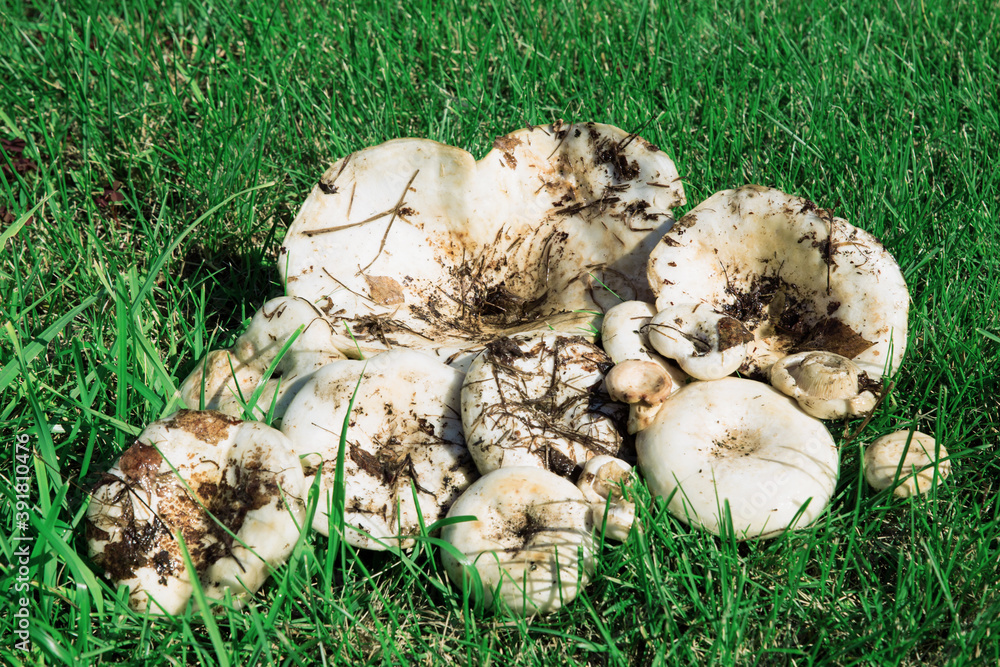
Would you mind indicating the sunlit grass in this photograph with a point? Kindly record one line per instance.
(215, 120)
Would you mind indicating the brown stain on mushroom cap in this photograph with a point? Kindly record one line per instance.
(206, 425)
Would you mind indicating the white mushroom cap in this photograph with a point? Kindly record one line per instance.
(643, 386)
(826, 385)
(531, 543)
(404, 433)
(743, 443)
(624, 340)
(415, 244)
(226, 379)
(205, 476)
(600, 483)
(914, 463)
(706, 345)
(796, 276)
(538, 401)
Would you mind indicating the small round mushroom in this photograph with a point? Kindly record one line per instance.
(624, 340)
(225, 380)
(643, 386)
(826, 385)
(743, 444)
(403, 439)
(234, 490)
(915, 463)
(706, 345)
(539, 401)
(532, 540)
(600, 483)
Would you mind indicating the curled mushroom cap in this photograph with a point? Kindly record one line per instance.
(404, 438)
(796, 276)
(415, 244)
(706, 345)
(826, 385)
(915, 463)
(539, 401)
(532, 540)
(226, 379)
(234, 490)
(739, 442)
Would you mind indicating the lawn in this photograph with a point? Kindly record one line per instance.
(154, 155)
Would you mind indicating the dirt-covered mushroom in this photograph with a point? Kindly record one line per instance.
(797, 277)
(600, 483)
(706, 345)
(415, 244)
(234, 490)
(826, 385)
(403, 439)
(531, 543)
(641, 377)
(539, 401)
(225, 380)
(913, 461)
(738, 446)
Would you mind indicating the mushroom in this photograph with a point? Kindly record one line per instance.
(909, 461)
(225, 380)
(738, 447)
(600, 483)
(414, 244)
(796, 276)
(538, 401)
(403, 443)
(706, 345)
(531, 542)
(234, 490)
(826, 385)
(641, 378)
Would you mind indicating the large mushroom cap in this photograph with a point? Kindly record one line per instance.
(404, 436)
(234, 490)
(532, 540)
(796, 276)
(743, 443)
(415, 244)
(539, 401)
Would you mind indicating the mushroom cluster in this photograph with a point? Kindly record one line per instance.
(497, 342)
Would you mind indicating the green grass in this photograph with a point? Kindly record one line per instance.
(225, 114)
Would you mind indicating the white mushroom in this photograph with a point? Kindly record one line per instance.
(531, 543)
(640, 372)
(225, 380)
(913, 462)
(403, 439)
(539, 401)
(741, 444)
(643, 386)
(826, 385)
(706, 345)
(600, 483)
(415, 244)
(795, 275)
(234, 490)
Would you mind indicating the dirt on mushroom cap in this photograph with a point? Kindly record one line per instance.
(230, 488)
(417, 245)
(798, 278)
